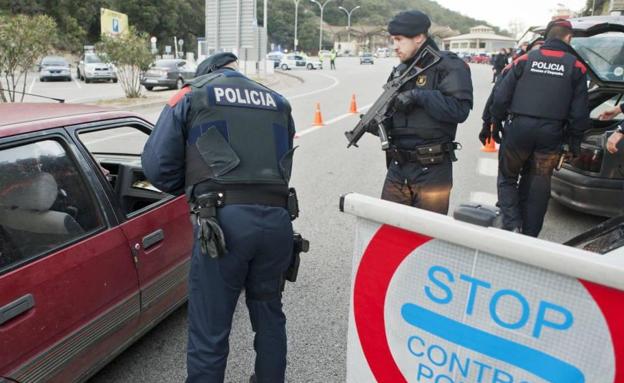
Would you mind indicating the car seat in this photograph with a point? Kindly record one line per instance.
(26, 218)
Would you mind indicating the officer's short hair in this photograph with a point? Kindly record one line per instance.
(557, 32)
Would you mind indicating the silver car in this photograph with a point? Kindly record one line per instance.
(92, 67)
(54, 68)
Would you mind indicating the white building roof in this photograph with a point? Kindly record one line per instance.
(480, 36)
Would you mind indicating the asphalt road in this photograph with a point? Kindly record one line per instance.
(317, 305)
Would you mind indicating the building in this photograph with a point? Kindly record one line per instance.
(481, 39)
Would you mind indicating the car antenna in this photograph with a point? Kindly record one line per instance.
(62, 101)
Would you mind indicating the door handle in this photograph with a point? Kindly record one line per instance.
(153, 238)
(17, 307)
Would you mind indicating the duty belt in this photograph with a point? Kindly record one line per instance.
(249, 197)
(425, 154)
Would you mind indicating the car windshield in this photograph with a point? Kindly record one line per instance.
(54, 62)
(604, 53)
(93, 59)
(165, 63)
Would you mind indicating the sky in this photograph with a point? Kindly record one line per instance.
(502, 12)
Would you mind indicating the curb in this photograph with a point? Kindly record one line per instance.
(283, 73)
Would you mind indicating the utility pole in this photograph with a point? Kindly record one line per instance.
(296, 42)
(322, 6)
(349, 20)
(266, 31)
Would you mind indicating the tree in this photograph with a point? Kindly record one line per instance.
(24, 40)
(131, 55)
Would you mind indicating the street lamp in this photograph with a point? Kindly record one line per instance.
(349, 20)
(322, 6)
(296, 42)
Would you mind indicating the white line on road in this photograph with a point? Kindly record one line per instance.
(77, 82)
(32, 84)
(487, 167)
(483, 198)
(333, 85)
(330, 122)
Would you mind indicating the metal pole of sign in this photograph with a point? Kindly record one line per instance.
(266, 31)
(321, 24)
(238, 26)
(296, 14)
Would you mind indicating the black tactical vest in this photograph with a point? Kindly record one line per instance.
(545, 88)
(450, 78)
(237, 135)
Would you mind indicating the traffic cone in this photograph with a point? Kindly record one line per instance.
(318, 118)
(490, 145)
(353, 108)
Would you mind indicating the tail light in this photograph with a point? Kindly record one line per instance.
(590, 159)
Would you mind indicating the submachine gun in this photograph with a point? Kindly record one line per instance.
(381, 111)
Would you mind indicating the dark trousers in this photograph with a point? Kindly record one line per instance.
(424, 187)
(259, 240)
(332, 64)
(528, 155)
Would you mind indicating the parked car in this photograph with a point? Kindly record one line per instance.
(275, 57)
(54, 68)
(91, 254)
(170, 73)
(481, 58)
(593, 183)
(95, 67)
(367, 58)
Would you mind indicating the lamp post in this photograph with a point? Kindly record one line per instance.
(322, 6)
(349, 20)
(296, 42)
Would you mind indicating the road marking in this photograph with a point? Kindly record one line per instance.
(330, 122)
(77, 82)
(336, 82)
(487, 167)
(32, 84)
(483, 198)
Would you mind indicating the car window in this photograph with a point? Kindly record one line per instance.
(606, 105)
(44, 201)
(92, 59)
(53, 62)
(117, 151)
(604, 53)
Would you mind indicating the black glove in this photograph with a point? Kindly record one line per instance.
(405, 101)
(497, 131)
(485, 132)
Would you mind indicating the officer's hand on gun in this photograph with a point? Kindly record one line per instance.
(405, 101)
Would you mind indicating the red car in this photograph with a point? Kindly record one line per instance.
(91, 254)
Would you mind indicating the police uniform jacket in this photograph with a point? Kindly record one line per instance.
(548, 83)
(224, 130)
(443, 98)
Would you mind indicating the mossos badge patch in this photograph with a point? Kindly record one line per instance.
(442, 313)
(549, 68)
(243, 97)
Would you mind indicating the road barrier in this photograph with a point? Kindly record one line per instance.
(318, 117)
(353, 107)
(439, 300)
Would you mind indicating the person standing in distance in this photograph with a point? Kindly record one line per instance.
(227, 143)
(545, 93)
(427, 110)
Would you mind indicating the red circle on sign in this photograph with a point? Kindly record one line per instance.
(384, 254)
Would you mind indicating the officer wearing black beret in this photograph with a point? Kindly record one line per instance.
(423, 126)
(227, 143)
(544, 100)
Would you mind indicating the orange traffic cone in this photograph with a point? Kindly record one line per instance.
(318, 118)
(353, 108)
(490, 145)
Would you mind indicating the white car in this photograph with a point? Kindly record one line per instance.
(93, 68)
(299, 61)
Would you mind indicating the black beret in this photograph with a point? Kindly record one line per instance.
(409, 23)
(214, 62)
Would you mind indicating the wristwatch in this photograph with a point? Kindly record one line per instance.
(619, 129)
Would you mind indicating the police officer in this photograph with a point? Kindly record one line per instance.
(427, 112)
(494, 131)
(545, 96)
(226, 141)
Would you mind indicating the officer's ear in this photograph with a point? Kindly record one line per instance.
(568, 38)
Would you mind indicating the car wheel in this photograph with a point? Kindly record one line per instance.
(310, 67)
(78, 76)
(284, 67)
(115, 81)
(179, 83)
(42, 79)
(86, 80)
(149, 87)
